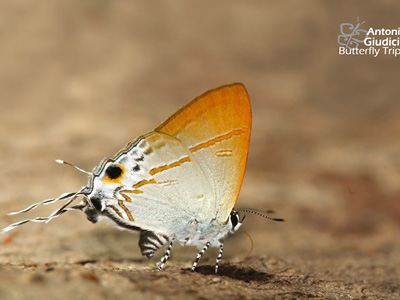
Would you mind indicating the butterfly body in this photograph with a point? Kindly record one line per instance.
(177, 183)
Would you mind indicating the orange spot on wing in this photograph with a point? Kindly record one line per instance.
(148, 151)
(159, 145)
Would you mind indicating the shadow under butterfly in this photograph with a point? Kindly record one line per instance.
(176, 184)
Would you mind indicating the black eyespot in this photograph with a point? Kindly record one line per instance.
(113, 172)
(136, 168)
(234, 219)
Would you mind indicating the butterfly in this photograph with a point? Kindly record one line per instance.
(176, 184)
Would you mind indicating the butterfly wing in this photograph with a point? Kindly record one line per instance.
(215, 127)
(188, 169)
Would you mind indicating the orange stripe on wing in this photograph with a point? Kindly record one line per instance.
(136, 186)
(220, 138)
(127, 198)
(143, 182)
(116, 210)
(222, 153)
(166, 167)
(128, 213)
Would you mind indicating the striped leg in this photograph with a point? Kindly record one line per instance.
(221, 249)
(150, 242)
(165, 257)
(200, 254)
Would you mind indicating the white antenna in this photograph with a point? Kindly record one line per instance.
(76, 167)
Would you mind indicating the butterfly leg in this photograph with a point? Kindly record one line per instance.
(199, 255)
(221, 249)
(167, 255)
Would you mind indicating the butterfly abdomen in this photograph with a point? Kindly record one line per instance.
(150, 242)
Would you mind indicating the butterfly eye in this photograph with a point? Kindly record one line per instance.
(96, 203)
(114, 172)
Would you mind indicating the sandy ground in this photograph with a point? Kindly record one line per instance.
(80, 79)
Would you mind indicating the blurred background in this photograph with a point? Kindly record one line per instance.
(79, 79)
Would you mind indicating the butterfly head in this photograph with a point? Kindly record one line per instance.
(103, 182)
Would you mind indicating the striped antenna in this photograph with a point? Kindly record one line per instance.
(49, 201)
(261, 213)
(80, 206)
(55, 214)
(44, 202)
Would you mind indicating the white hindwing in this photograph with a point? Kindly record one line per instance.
(163, 187)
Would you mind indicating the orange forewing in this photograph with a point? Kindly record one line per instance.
(216, 128)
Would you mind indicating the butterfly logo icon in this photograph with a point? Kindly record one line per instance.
(352, 36)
